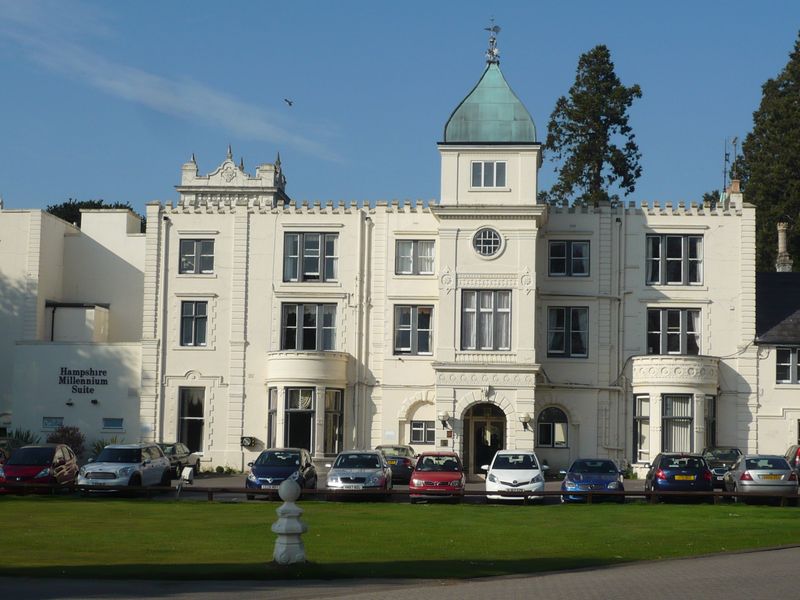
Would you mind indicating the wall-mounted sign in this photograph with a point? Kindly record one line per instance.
(82, 381)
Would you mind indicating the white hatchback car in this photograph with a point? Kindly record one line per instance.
(515, 471)
(127, 465)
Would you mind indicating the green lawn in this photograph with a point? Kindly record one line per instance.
(163, 539)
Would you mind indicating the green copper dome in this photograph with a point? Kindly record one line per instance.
(491, 113)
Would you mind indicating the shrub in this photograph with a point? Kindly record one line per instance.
(71, 436)
(22, 437)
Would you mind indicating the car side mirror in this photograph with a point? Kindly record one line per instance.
(249, 464)
(328, 465)
(562, 472)
(545, 467)
(484, 467)
(90, 460)
(647, 465)
(146, 462)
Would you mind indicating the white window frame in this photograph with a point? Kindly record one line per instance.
(191, 322)
(571, 316)
(191, 259)
(413, 329)
(668, 421)
(419, 259)
(641, 447)
(423, 432)
(325, 333)
(108, 427)
(486, 174)
(487, 242)
(559, 436)
(668, 332)
(657, 250)
(473, 315)
(52, 422)
(325, 256)
(569, 258)
(789, 362)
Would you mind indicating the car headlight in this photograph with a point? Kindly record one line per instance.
(457, 483)
(2, 473)
(125, 471)
(295, 476)
(252, 477)
(43, 473)
(333, 479)
(492, 478)
(613, 485)
(374, 480)
(537, 479)
(416, 482)
(570, 485)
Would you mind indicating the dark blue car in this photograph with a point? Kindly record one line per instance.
(275, 465)
(592, 475)
(676, 472)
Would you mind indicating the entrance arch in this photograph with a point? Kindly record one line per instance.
(484, 434)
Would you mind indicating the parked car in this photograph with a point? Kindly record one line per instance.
(180, 456)
(359, 470)
(437, 475)
(515, 471)
(675, 472)
(595, 475)
(275, 465)
(720, 459)
(127, 465)
(401, 461)
(761, 473)
(792, 456)
(55, 464)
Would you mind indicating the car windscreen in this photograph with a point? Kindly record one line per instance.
(604, 467)
(278, 459)
(31, 456)
(725, 454)
(395, 451)
(682, 462)
(767, 463)
(357, 461)
(438, 463)
(120, 455)
(514, 461)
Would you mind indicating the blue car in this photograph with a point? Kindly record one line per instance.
(592, 475)
(275, 465)
(674, 472)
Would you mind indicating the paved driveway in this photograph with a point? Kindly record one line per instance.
(743, 576)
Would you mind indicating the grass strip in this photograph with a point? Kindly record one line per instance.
(120, 538)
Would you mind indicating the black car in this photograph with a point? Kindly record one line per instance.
(179, 457)
(720, 459)
(401, 461)
(275, 465)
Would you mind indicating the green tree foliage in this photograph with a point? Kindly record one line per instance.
(770, 163)
(70, 211)
(589, 136)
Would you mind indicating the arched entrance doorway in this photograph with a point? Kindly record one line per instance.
(484, 434)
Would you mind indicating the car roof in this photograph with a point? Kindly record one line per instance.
(285, 450)
(440, 453)
(515, 452)
(40, 446)
(131, 446)
(751, 456)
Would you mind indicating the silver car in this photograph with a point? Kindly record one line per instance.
(360, 470)
(127, 465)
(760, 473)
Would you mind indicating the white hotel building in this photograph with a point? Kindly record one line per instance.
(482, 321)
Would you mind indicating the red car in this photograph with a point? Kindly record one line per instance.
(46, 463)
(437, 475)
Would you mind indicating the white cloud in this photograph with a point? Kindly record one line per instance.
(46, 34)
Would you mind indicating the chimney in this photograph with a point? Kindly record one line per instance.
(783, 264)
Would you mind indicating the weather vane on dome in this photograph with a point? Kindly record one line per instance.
(493, 54)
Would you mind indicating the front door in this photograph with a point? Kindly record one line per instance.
(486, 435)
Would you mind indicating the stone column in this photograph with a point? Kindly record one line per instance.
(280, 417)
(319, 422)
(699, 433)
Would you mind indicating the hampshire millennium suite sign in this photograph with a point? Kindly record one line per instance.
(82, 381)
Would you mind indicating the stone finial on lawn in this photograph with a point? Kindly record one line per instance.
(289, 547)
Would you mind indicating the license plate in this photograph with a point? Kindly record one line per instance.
(392, 462)
(684, 477)
(269, 487)
(769, 476)
(352, 486)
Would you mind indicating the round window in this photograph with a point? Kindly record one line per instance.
(486, 242)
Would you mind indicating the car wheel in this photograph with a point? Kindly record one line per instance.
(166, 478)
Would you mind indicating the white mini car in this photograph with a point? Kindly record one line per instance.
(129, 465)
(515, 471)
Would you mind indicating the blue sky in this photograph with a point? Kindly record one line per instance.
(108, 99)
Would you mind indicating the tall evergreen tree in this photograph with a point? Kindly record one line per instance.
(770, 163)
(589, 136)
